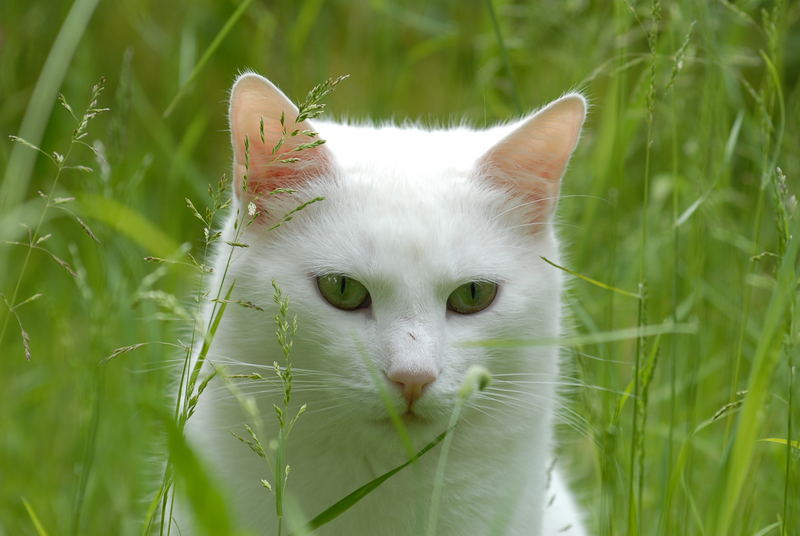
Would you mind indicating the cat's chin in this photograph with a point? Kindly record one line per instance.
(413, 419)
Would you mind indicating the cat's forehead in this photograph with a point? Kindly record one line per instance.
(410, 150)
(384, 223)
(408, 203)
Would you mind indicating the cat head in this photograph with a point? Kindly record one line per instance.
(274, 150)
(424, 241)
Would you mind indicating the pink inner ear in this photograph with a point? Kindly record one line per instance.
(523, 167)
(538, 195)
(255, 101)
(266, 173)
(531, 159)
(526, 174)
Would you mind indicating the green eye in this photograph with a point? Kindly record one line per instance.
(472, 297)
(343, 292)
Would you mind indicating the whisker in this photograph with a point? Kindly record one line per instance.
(511, 401)
(602, 359)
(471, 404)
(535, 223)
(316, 411)
(547, 374)
(277, 390)
(566, 414)
(563, 384)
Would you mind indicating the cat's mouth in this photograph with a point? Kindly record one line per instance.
(410, 416)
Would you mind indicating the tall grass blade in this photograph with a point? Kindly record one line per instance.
(226, 29)
(686, 214)
(504, 54)
(209, 507)
(780, 441)
(129, 223)
(590, 280)
(302, 27)
(20, 163)
(769, 528)
(90, 449)
(591, 338)
(341, 506)
(476, 377)
(765, 360)
(34, 518)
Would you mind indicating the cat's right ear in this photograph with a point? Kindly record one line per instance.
(270, 147)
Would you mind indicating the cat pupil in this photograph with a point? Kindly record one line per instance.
(342, 284)
(473, 290)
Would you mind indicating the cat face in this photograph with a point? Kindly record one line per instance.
(424, 242)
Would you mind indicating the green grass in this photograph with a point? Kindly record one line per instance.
(675, 216)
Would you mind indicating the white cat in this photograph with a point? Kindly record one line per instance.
(425, 240)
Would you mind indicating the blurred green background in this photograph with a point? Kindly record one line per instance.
(674, 193)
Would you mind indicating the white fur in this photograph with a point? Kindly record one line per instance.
(411, 214)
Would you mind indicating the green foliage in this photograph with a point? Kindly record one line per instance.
(683, 191)
(285, 329)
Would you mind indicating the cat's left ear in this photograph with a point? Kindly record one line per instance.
(532, 158)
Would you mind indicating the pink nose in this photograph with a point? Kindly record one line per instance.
(411, 382)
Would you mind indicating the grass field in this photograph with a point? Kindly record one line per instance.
(682, 193)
